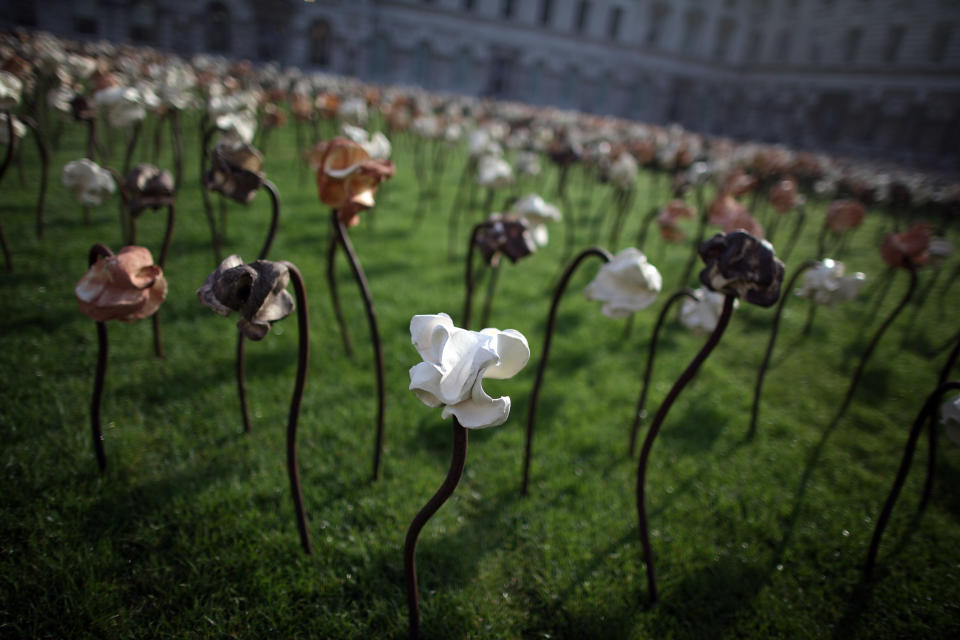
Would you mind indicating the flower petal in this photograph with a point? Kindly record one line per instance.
(425, 383)
(479, 410)
(514, 352)
(422, 334)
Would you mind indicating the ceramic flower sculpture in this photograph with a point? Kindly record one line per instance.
(826, 283)
(537, 213)
(455, 363)
(89, 183)
(626, 284)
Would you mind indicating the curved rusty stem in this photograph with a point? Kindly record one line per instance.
(932, 428)
(453, 218)
(274, 217)
(44, 169)
(164, 250)
(3, 170)
(334, 296)
(624, 200)
(92, 138)
(488, 297)
(206, 134)
(174, 118)
(678, 386)
(470, 283)
(801, 218)
(701, 232)
(929, 408)
(361, 279)
(131, 146)
(303, 359)
(97, 252)
(242, 380)
(641, 411)
(446, 489)
(758, 388)
(874, 341)
(605, 256)
(645, 226)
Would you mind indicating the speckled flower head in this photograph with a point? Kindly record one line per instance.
(740, 264)
(504, 235)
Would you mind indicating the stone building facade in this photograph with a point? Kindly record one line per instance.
(866, 77)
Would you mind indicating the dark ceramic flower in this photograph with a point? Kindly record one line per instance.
(257, 291)
(148, 187)
(236, 171)
(504, 235)
(743, 265)
(908, 249)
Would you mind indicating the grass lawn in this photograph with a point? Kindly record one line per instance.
(190, 532)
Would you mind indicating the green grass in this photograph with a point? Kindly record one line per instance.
(190, 533)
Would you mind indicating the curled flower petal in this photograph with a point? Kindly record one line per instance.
(257, 291)
(126, 287)
(741, 264)
(626, 284)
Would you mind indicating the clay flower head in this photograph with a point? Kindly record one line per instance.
(701, 314)
(623, 172)
(536, 212)
(82, 109)
(827, 284)
(740, 264)
(675, 211)
(90, 183)
(347, 177)
(257, 291)
(148, 187)
(455, 362)
(908, 249)
(236, 170)
(274, 116)
(504, 235)
(626, 284)
(739, 183)
(950, 418)
(731, 214)
(844, 215)
(564, 153)
(11, 88)
(126, 287)
(783, 195)
(494, 171)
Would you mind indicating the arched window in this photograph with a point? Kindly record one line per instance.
(320, 37)
(421, 64)
(143, 18)
(218, 27)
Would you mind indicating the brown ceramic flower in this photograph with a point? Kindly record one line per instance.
(347, 178)
(743, 265)
(730, 214)
(257, 291)
(908, 249)
(236, 171)
(273, 116)
(301, 106)
(126, 287)
(667, 219)
(783, 195)
(148, 187)
(739, 183)
(844, 215)
(504, 235)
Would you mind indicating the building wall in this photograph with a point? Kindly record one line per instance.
(856, 76)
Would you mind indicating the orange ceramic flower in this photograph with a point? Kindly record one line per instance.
(347, 178)
(907, 249)
(126, 287)
(843, 215)
(783, 195)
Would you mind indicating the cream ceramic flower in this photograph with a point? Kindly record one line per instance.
(11, 88)
(950, 418)
(701, 315)
(827, 284)
(626, 284)
(377, 145)
(495, 172)
(623, 172)
(124, 105)
(528, 163)
(90, 183)
(237, 126)
(455, 362)
(537, 212)
(353, 110)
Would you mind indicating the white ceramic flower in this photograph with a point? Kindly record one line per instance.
(826, 283)
(701, 315)
(19, 129)
(377, 145)
(426, 126)
(494, 171)
(537, 212)
(353, 110)
(90, 183)
(11, 89)
(124, 105)
(626, 284)
(528, 163)
(455, 362)
(623, 172)
(238, 126)
(950, 418)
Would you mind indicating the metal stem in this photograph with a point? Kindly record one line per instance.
(274, 217)
(98, 251)
(470, 283)
(605, 256)
(44, 169)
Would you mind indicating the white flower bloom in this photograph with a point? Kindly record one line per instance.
(19, 129)
(493, 171)
(701, 315)
(59, 98)
(950, 418)
(426, 126)
(90, 183)
(537, 212)
(11, 89)
(455, 362)
(623, 172)
(377, 146)
(626, 284)
(353, 111)
(124, 105)
(482, 144)
(239, 126)
(827, 284)
(357, 134)
(453, 133)
(80, 66)
(528, 163)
